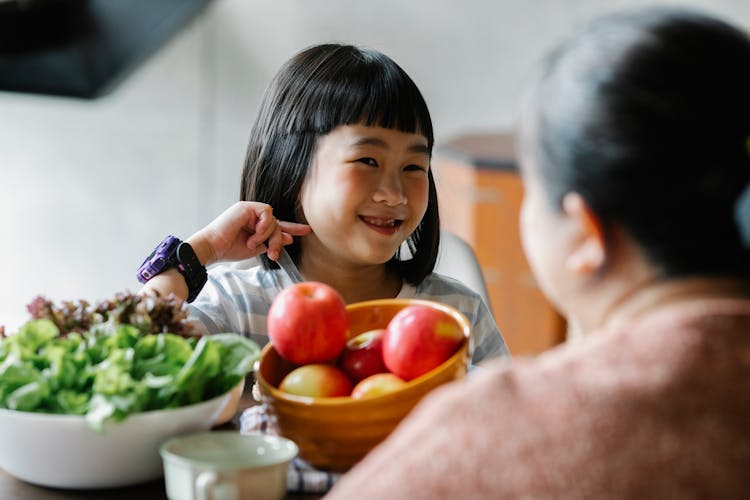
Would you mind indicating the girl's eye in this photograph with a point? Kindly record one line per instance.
(415, 167)
(368, 161)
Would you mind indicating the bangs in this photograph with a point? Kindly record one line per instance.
(353, 85)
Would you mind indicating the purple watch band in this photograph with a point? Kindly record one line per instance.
(172, 252)
(161, 259)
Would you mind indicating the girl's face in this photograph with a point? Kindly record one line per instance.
(366, 192)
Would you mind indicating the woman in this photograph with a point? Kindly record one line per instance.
(635, 155)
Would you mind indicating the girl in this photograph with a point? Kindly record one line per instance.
(635, 155)
(341, 146)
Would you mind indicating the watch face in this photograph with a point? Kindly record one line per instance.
(159, 260)
(151, 268)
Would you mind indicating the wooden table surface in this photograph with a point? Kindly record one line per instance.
(12, 488)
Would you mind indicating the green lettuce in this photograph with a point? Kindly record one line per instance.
(110, 372)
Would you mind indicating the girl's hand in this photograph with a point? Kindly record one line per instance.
(244, 230)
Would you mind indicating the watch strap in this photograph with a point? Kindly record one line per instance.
(192, 270)
(175, 253)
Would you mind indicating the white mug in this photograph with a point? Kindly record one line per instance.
(226, 465)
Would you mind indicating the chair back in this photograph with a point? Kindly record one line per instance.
(457, 260)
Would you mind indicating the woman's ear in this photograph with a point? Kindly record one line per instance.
(588, 253)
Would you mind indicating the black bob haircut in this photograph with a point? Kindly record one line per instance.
(646, 114)
(317, 90)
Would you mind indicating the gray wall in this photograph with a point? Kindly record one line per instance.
(89, 187)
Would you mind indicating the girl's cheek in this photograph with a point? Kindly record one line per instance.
(419, 191)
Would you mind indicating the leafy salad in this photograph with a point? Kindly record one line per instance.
(106, 369)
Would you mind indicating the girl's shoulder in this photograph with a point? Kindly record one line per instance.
(437, 285)
(489, 341)
(447, 290)
(245, 279)
(249, 271)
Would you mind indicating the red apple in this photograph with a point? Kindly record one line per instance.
(318, 381)
(363, 355)
(307, 323)
(420, 338)
(377, 385)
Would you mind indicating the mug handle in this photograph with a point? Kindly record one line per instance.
(205, 484)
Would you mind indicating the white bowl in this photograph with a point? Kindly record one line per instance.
(62, 451)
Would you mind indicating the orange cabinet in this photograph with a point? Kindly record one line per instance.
(479, 193)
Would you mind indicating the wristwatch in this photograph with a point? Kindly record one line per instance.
(175, 253)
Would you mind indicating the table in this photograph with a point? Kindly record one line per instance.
(12, 488)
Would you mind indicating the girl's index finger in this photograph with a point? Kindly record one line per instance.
(284, 235)
(295, 228)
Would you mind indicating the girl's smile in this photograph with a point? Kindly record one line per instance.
(366, 192)
(382, 225)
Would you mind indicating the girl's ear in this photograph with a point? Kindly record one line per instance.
(589, 251)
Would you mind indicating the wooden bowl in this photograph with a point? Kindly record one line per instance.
(335, 433)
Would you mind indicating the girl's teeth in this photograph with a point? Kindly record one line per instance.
(380, 222)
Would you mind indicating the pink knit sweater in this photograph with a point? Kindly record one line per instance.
(660, 409)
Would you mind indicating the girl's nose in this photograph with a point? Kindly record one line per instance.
(390, 190)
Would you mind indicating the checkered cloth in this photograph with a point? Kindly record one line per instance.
(301, 476)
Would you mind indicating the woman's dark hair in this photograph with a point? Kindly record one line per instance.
(647, 115)
(317, 90)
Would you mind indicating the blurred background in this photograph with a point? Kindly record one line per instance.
(154, 141)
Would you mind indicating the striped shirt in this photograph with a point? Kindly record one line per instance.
(238, 300)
